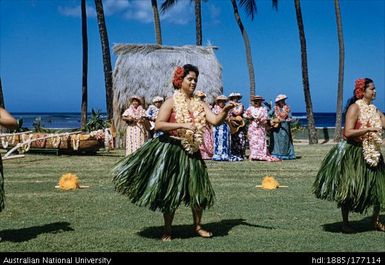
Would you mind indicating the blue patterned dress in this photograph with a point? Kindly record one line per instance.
(222, 138)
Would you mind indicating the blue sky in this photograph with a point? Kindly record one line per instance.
(41, 48)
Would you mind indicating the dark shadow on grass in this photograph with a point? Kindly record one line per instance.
(364, 225)
(25, 234)
(218, 229)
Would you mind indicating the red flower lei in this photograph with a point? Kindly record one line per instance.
(283, 113)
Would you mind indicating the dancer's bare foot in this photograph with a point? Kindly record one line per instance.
(203, 233)
(379, 226)
(166, 237)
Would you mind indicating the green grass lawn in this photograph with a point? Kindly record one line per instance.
(39, 217)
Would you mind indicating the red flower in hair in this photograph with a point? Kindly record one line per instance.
(359, 88)
(178, 77)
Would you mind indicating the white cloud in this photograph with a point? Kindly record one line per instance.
(140, 10)
(75, 11)
(112, 7)
(181, 13)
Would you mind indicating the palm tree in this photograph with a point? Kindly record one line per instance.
(2, 104)
(251, 8)
(198, 22)
(106, 57)
(313, 137)
(158, 32)
(341, 49)
(85, 64)
(167, 4)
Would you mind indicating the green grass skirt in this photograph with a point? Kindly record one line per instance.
(2, 193)
(346, 178)
(162, 175)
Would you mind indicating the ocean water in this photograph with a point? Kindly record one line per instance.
(72, 119)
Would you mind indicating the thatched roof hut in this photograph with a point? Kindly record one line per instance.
(146, 70)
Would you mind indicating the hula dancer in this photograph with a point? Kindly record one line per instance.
(353, 172)
(168, 170)
(9, 122)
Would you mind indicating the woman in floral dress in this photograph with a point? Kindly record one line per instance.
(137, 125)
(257, 114)
(152, 113)
(221, 133)
(238, 137)
(353, 172)
(281, 141)
(207, 146)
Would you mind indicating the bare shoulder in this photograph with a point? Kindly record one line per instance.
(169, 103)
(354, 108)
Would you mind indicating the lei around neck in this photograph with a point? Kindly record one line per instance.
(371, 144)
(191, 140)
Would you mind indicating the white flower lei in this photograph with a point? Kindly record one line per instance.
(371, 141)
(190, 140)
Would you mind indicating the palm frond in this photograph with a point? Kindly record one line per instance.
(250, 7)
(275, 4)
(167, 4)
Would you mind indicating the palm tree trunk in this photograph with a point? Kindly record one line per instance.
(313, 137)
(158, 31)
(247, 47)
(106, 57)
(2, 103)
(341, 49)
(85, 65)
(198, 22)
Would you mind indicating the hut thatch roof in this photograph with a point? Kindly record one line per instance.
(146, 70)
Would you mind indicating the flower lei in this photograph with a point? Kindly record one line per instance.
(371, 141)
(190, 140)
(258, 114)
(136, 113)
(282, 113)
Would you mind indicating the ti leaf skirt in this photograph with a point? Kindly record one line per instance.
(346, 178)
(161, 175)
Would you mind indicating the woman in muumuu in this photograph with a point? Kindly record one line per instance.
(281, 141)
(238, 135)
(8, 121)
(168, 170)
(221, 133)
(353, 172)
(137, 125)
(207, 146)
(257, 114)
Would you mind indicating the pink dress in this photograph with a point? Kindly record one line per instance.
(207, 146)
(136, 133)
(257, 134)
